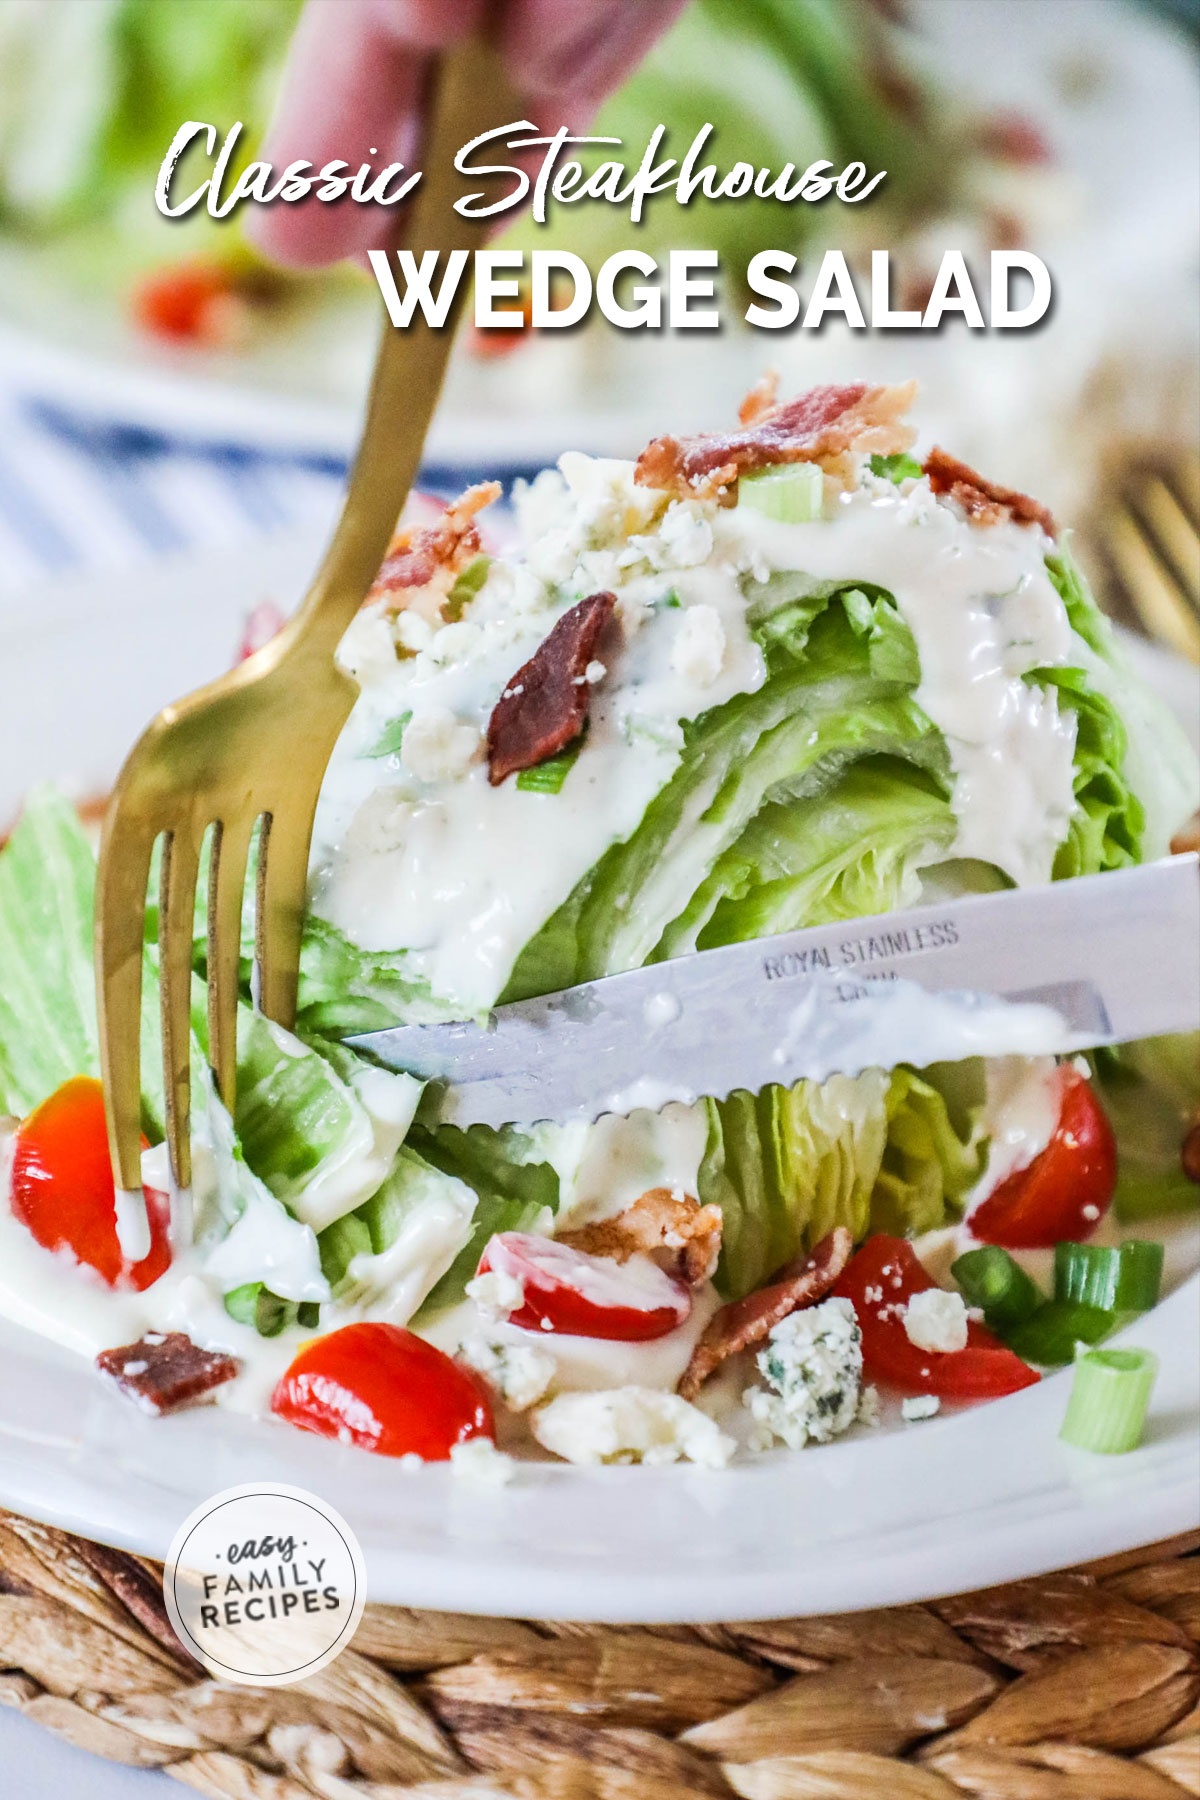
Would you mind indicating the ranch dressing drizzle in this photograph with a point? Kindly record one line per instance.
(984, 613)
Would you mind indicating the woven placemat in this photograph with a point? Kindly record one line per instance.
(1083, 1685)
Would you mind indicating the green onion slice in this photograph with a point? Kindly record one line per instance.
(897, 468)
(1120, 1278)
(1050, 1337)
(991, 1279)
(390, 738)
(793, 492)
(548, 777)
(254, 1304)
(466, 587)
(1109, 1397)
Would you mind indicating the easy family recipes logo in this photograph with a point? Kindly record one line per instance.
(629, 288)
(264, 1584)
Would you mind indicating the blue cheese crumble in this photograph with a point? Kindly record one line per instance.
(520, 1373)
(630, 1424)
(812, 1364)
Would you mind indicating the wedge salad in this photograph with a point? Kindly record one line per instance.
(784, 675)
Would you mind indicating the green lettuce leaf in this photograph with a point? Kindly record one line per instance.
(1151, 1093)
(822, 708)
(874, 1151)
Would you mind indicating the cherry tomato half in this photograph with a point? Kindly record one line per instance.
(880, 1279)
(1060, 1196)
(63, 1192)
(586, 1296)
(384, 1389)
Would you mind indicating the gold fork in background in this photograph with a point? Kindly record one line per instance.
(1150, 539)
(253, 746)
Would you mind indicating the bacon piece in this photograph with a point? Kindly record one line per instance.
(544, 707)
(762, 398)
(1187, 837)
(419, 554)
(745, 1324)
(658, 1220)
(823, 426)
(164, 1371)
(984, 502)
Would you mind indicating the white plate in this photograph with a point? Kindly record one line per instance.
(910, 1512)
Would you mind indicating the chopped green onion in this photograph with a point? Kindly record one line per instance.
(308, 1314)
(993, 1281)
(1124, 1278)
(670, 598)
(793, 492)
(548, 777)
(466, 588)
(900, 467)
(253, 1304)
(1049, 1338)
(1109, 1397)
(390, 738)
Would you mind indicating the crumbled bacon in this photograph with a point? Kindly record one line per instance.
(827, 425)
(984, 502)
(544, 707)
(421, 556)
(745, 1324)
(658, 1221)
(762, 398)
(164, 1371)
(1187, 837)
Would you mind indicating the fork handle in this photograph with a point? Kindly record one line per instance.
(470, 92)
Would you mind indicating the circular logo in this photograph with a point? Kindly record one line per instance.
(265, 1585)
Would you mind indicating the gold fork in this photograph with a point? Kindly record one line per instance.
(1152, 541)
(253, 745)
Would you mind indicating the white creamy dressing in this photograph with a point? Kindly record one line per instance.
(983, 613)
(604, 1167)
(895, 1021)
(462, 874)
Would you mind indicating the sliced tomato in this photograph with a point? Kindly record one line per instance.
(587, 1296)
(384, 1389)
(880, 1279)
(1061, 1195)
(63, 1192)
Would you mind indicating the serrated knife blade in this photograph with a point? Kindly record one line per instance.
(1101, 959)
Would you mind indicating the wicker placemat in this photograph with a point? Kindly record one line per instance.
(1083, 1685)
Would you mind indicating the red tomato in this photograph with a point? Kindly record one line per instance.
(62, 1187)
(384, 1389)
(588, 1296)
(188, 303)
(880, 1279)
(1060, 1196)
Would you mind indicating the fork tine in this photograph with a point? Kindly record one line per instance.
(226, 882)
(1176, 533)
(177, 913)
(121, 879)
(1158, 602)
(282, 885)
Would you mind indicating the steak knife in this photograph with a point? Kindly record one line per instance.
(1100, 959)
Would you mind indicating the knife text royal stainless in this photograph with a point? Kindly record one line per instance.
(1097, 960)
